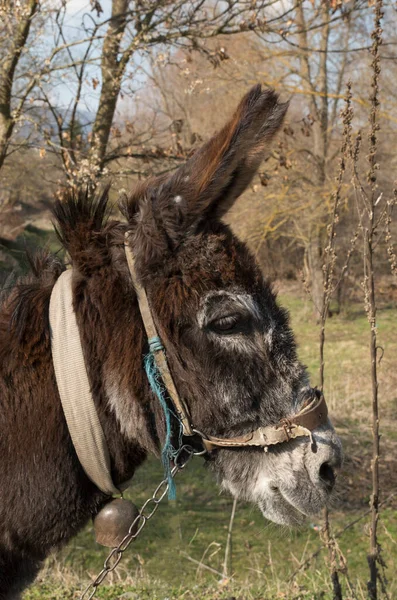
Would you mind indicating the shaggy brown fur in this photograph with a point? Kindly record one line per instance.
(184, 255)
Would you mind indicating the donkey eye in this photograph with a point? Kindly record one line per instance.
(229, 324)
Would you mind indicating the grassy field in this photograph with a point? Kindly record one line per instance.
(172, 558)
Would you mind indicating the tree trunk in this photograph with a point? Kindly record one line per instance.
(112, 70)
(7, 72)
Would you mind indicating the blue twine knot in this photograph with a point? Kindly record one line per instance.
(154, 377)
(155, 344)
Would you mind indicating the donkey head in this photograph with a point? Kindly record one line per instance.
(229, 345)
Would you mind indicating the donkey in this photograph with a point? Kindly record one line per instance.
(229, 345)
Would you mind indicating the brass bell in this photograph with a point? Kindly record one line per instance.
(113, 521)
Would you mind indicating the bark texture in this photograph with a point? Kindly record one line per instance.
(7, 72)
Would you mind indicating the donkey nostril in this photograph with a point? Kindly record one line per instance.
(327, 475)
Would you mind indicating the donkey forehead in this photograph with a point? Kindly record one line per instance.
(208, 266)
(217, 256)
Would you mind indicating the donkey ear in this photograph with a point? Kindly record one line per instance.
(222, 168)
(211, 180)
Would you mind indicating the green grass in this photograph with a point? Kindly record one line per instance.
(159, 565)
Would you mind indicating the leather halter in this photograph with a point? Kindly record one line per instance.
(311, 416)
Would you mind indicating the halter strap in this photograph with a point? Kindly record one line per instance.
(156, 347)
(299, 425)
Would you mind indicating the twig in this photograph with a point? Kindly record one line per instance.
(227, 564)
(334, 552)
(202, 565)
(374, 557)
(389, 242)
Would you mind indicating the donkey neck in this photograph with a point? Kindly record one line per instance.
(113, 343)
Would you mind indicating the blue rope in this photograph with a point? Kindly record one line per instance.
(155, 344)
(154, 377)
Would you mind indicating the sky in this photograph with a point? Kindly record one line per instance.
(77, 12)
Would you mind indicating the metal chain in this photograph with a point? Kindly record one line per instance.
(183, 456)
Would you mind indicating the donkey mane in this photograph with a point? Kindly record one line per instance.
(82, 223)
